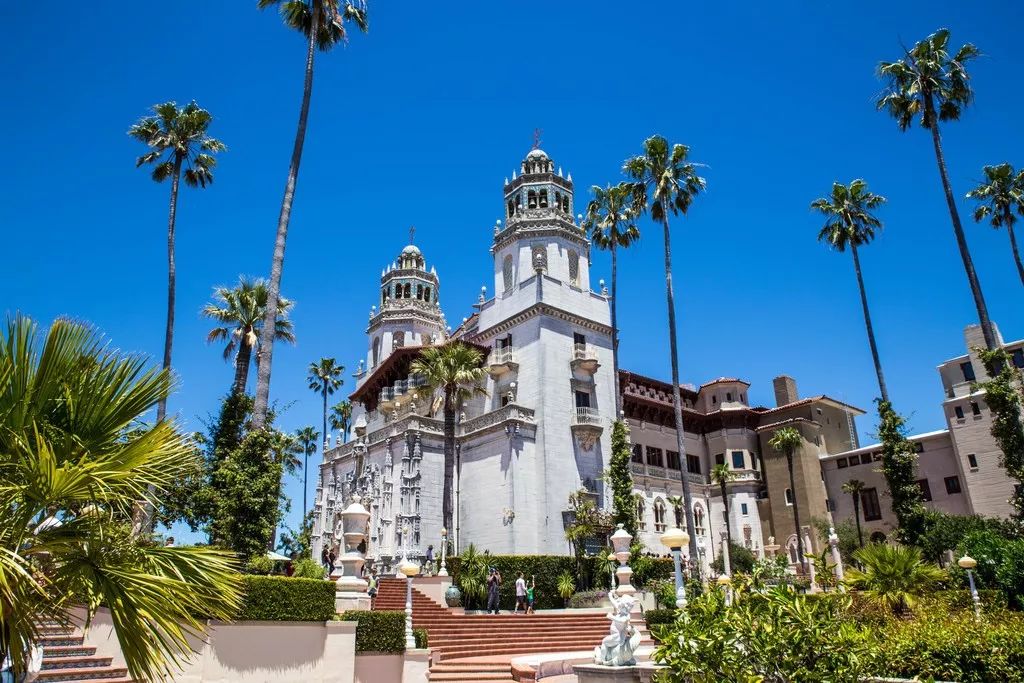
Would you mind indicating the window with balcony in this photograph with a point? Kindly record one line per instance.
(968, 371)
(738, 462)
(952, 485)
(638, 453)
(926, 489)
(582, 399)
(578, 338)
(693, 464)
(659, 515)
(654, 457)
(672, 458)
(869, 505)
(972, 460)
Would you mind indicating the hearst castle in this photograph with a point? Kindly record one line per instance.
(543, 429)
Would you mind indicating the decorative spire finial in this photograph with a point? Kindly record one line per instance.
(412, 234)
(536, 138)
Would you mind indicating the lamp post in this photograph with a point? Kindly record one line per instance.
(675, 539)
(409, 569)
(724, 582)
(444, 549)
(968, 563)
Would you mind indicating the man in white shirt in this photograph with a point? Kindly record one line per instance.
(520, 593)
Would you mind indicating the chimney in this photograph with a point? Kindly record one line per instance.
(785, 390)
(974, 338)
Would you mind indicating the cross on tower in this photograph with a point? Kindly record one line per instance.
(536, 138)
(412, 233)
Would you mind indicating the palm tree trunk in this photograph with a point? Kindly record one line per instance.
(449, 456)
(161, 408)
(266, 352)
(796, 513)
(677, 399)
(856, 517)
(615, 336)
(958, 230)
(1013, 246)
(867, 324)
(242, 361)
(323, 434)
(728, 523)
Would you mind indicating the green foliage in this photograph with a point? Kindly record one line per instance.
(248, 512)
(566, 585)
(952, 646)
(469, 573)
(774, 637)
(664, 592)
(741, 560)
(1003, 397)
(298, 545)
(943, 531)
(846, 530)
(620, 478)
(1000, 563)
(899, 467)
(646, 568)
(176, 138)
(283, 598)
(378, 631)
(584, 599)
(422, 638)
(893, 576)
(259, 565)
(308, 568)
(770, 570)
(657, 619)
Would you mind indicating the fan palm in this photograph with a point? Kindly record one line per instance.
(325, 379)
(786, 440)
(610, 221)
(323, 22)
(307, 438)
(721, 475)
(998, 198)
(930, 85)
(240, 310)
(850, 223)
(854, 487)
(177, 140)
(74, 460)
(893, 576)
(340, 418)
(665, 183)
(454, 370)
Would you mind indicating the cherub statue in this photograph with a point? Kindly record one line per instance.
(617, 647)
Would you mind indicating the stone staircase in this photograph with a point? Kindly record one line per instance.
(65, 658)
(479, 647)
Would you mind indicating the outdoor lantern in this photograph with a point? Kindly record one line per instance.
(675, 538)
(410, 569)
(967, 562)
(723, 580)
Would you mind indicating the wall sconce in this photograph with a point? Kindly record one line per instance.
(508, 515)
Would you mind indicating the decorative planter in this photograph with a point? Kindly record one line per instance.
(453, 596)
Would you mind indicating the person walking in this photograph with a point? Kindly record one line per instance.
(331, 557)
(371, 585)
(531, 594)
(493, 582)
(430, 561)
(520, 594)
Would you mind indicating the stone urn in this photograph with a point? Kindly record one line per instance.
(453, 596)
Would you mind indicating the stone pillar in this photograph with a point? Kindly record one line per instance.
(837, 558)
(351, 588)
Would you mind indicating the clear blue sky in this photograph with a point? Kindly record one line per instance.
(418, 123)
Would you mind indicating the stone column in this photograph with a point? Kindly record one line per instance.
(351, 588)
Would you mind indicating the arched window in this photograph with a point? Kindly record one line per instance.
(558, 200)
(531, 200)
(539, 257)
(384, 295)
(574, 268)
(511, 208)
(793, 550)
(565, 204)
(419, 292)
(399, 339)
(659, 515)
(426, 293)
(641, 510)
(408, 290)
(506, 271)
(543, 199)
(376, 351)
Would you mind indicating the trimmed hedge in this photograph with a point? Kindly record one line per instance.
(422, 638)
(281, 598)
(588, 599)
(660, 616)
(378, 631)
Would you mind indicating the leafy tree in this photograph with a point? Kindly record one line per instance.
(177, 140)
(611, 223)
(933, 86)
(620, 478)
(786, 440)
(665, 182)
(855, 487)
(850, 223)
(998, 198)
(325, 379)
(240, 310)
(721, 475)
(75, 459)
(1000, 563)
(323, 22)
(307, 438)
(250, 480)
(741, 560)
(899, 466)
(1003, 397)
(454, 370)
(943, 531)
(341, 418)
(587, 524)
(893, 576)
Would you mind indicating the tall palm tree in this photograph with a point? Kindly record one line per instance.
(786, 441)
(677, 508)
(850, 223)
(239, 310)
(611, 222)
(323, 24)
(854, 488)
(75, 456)
(454, 370)
(721, 475)
(665, 183)
(340, 419)
(998, 197)
(284, 451)
(930, 84)
(325, 379)
(307, 438)
(177, 140)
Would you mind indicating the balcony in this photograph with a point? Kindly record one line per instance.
(501, 361)
(584, 357)
(587, 427)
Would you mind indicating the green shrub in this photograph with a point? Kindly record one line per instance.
(422, 638)
(660, 616)
(952, 600)
(280, 598)
(308, 569)
(954, 647)
(946, 532)
(259, 565)
(378, 631)
(894, 576)
(646, 568)
(664, 593)
(741, 560)
(1000, 564)
(588, 599)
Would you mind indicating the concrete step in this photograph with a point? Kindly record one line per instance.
(75, 662)
(456, 667)
(68, 651)
(82, 674)
(444, 655)
(472, 676)
(61, 641)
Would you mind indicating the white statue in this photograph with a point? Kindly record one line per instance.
(617, 648)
